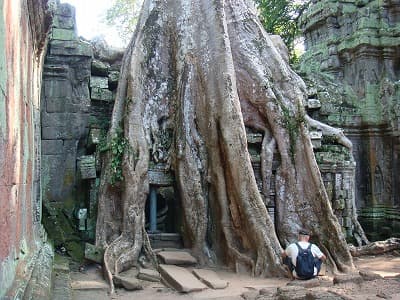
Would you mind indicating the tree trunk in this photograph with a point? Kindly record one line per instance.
(200, 73)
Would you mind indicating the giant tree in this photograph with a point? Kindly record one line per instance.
(203, 72)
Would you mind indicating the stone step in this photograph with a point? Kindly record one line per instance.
(89, 285)
(61, 279)
(180, 279)
(165, 240)
(148, 275)
(210, 278)
(180, 258)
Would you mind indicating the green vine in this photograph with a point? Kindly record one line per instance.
(292, 124)
(117, 146)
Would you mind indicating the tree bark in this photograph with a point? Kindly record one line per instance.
(204, 71)
(376, 248)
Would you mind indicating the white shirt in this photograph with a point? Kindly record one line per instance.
(292, 252)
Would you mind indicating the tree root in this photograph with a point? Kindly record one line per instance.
(376, 248)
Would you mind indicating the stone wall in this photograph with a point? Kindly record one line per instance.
(79, 80)
(352, 67)
(23, 28)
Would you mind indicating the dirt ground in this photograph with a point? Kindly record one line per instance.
(386, 285)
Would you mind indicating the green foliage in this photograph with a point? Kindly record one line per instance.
(292, 123)
(123, 14)
(117, 146)
(281, 17)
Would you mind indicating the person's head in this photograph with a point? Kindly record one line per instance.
(304, 235)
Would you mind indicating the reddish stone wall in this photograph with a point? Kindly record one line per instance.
(23, 26)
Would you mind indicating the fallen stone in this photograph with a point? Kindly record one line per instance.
(347, 278)
(210, 278)
(89, 285)
(250, 295)
(369, 275)
(268, 292)
(300, 293)
(314, 282)
(128, 283)
(179, 258)
(180, 279)
(149, 275)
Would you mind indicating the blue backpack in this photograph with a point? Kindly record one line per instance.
(305, 263)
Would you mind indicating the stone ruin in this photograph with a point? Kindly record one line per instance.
(352, 71)
(351, 66)
(79, 82)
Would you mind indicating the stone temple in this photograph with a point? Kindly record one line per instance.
(55, 108)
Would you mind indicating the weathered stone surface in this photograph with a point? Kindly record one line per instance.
(70, 48)
(63, 34)
(99, 82)
(52, 147)
(87, 166)
(101, 94)
(210, 278)
(369, 275)
(299, 293)
(176, 258)
(128, 283)
(149, 275)
(345, 278)
(23, 27)
(160, 177)
(350, 67)
(314, 282)
(99, 68)
(61, 278)
(89, 285)
(94, 253)
(113, 78)
(180, 279)
(250, 295)
(40, 283)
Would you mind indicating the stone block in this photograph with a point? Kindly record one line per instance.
(313, 103)
(63, 34)
(149, 275)
(176, 258)
(347, 278)
(254, 138)
(52, 147)
(160, 177)
(180, 279)
(210, 278)
(89, 285)
(100, 94)
(64, 22)
(99, 82)
(87, 167)
(113, 78)
(55, 105)
(66, 10)
(128, 281)
(94, 137)
(99, 68)
(94, 253)
(57, 88)
(70, 48)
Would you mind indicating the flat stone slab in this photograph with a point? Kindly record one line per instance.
(210, 278)
(180, 258)
(180, 279)
(149, 275)
(128, 283)
(89, 285)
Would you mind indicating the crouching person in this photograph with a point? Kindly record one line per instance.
(302, 258)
